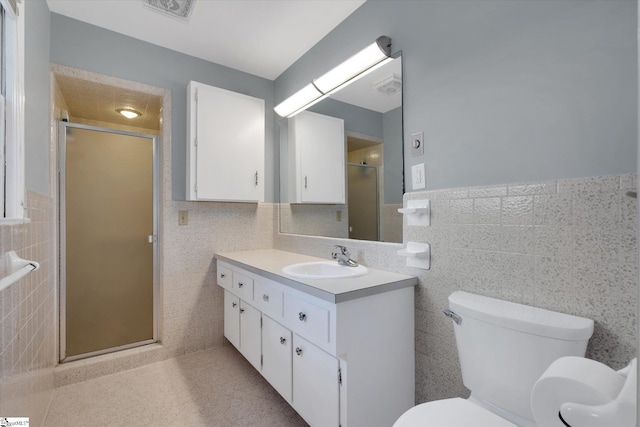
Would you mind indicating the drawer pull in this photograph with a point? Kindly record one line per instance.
(222, 275)
(265, 298)
(240, 285)
(302, 316)
(242, 310)
(233, 304)
(298, 351)
(283, 340)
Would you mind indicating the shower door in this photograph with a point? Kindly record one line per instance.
(362, 183)
(108, 240)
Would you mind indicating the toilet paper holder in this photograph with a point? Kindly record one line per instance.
(620, 412)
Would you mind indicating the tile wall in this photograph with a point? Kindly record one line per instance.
(565, 245)
(27, 315)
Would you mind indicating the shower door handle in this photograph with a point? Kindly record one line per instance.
(151, 238)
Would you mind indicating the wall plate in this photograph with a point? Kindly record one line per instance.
(417, 144)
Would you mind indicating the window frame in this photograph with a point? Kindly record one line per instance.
(12, 156)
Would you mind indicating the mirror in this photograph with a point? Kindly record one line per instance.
(371, 110)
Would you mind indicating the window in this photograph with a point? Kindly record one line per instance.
(12, 188)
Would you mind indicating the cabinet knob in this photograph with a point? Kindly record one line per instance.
(234, 304)
(242, 310)
(298, 351)
(222, 275)
(240, 285)
(302, 316)
(283, 340)
(265, 298)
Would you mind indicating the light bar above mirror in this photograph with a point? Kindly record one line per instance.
(350, 70)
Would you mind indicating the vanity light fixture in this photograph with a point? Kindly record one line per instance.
(129, 113)
(350, 70)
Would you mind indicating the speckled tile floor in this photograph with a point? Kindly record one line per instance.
(211, 388)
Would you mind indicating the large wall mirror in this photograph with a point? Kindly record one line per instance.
(362, 183)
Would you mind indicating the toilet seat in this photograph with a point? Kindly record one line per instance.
(456, 412)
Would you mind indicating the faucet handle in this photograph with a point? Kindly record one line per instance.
(339, 250)
(343, 249)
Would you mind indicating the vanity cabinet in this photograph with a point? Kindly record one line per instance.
(307, 343)
(225, 145)
(316, 145)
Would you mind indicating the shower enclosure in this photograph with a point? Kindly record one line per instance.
(108, 185)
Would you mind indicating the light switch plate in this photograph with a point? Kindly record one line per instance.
(183, 217)
(417, 144)
(417, 176)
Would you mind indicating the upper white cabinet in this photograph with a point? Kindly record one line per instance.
(225, 145)
(316, 159)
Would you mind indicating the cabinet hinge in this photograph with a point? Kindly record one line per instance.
(261, 360)
(195, 142)
(195, 188)
(261, 323)
(196, 94)
(340, 376)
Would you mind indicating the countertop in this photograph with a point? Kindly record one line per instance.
(269, 263)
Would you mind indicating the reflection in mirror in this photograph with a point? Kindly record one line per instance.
(365, 120)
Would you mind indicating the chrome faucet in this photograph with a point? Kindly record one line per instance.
(341, 254)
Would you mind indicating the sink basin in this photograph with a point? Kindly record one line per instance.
(323, 270)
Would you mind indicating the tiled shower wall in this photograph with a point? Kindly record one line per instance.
(27, 318)
(566, 245)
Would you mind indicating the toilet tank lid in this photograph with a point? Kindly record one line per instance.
(521, 317)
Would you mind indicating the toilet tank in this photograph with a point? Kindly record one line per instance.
(504, 347)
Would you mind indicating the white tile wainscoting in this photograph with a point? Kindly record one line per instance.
(565, 245)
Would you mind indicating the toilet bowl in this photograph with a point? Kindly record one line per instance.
(456, 412)
(503, 348)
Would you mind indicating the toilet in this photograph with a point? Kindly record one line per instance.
(503, 349)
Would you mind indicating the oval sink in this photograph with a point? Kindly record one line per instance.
(323, 270)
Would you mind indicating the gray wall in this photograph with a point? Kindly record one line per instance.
(37, 17)
(88, 47)
(392, 130)
(356, 119)
(504, 91)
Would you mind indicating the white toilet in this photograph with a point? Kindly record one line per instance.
(503, 349)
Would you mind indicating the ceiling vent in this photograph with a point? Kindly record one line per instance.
(176, 8)
(389, 85)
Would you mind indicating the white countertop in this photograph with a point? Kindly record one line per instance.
(269, 263)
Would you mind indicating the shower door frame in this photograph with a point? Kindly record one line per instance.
(62, 245)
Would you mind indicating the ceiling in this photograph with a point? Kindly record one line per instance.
(260, 37)
(97, 101)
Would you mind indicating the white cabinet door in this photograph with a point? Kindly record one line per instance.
(225, 145)
(316, 159)
(276, 353)
(316, 390)
(232, 318)
(250, 340)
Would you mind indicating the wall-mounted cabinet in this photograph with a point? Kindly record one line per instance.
(225, 145)
(316, 159)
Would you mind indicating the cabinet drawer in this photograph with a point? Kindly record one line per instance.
(243, 286)
(225, 278)
(310, 320)
(268, 297)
